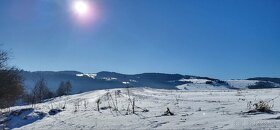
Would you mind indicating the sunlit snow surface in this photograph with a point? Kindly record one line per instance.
(209, 109)
(87, 75)
(242, 83)
(196, 81)
(200, 84)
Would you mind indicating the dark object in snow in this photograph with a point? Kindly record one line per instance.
(133, 105)
(54, 111)
(105, 108)
(145, 110)
(20, 111)
(261, 107)
(256, 112)
(98, 101)
(276, 118)
(168, 113)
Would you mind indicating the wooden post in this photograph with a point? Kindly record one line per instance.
(97, 103)
(133, 105)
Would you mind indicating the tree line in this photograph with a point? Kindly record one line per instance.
(12, 88)
(41, 92)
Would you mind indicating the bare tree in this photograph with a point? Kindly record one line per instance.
(41, 92)
(64, 88)
(3, 59)
(68, 87)
(27, 97)
(11, 87)
(61, 89)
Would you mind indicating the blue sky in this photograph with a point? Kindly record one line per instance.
(218, 38)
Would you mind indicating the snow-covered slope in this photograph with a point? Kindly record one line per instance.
(201, 86)
(242, 84)
(212, 109)
(195, 81)
(87, 75)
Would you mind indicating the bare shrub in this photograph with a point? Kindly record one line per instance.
(76, 105)
(238, 93)
(85, 104)
(64, 88)
(261, 106)
(168, 113)
(120, 103)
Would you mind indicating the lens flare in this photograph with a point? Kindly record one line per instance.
(84, 12)
(81, 8)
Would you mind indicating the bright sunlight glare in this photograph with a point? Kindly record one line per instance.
(81, 7)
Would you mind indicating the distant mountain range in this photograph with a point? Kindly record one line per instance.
(105, 80)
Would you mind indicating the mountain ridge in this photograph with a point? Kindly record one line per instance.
(106, 80)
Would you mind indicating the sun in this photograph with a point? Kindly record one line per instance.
(84, 12)
(81, 7)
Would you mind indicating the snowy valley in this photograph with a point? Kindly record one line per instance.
(149, 101)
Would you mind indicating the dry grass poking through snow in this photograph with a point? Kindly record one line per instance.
(209, 109)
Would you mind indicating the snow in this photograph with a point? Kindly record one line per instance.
(196, 81)
(125, 82)
(200, 84)
(192, 86)
(109, 78)
(87, 75)
(198, 109)
(241, 84)
(131, 80)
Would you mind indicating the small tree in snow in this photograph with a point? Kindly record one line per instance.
(68, 87)
(40, 91)
(64, 88)
(61, 89)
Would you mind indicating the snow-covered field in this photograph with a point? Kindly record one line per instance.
(209, 109)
